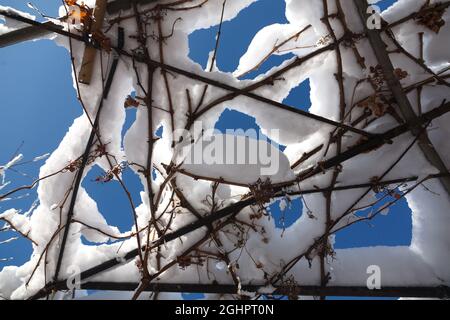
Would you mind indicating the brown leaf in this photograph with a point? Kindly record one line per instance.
(376, 104)
(430, 16)
(400, 74)
(70, 2)
(131, 103)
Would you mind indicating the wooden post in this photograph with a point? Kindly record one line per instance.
(87, 66)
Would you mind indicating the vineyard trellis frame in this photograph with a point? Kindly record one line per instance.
(417, 125)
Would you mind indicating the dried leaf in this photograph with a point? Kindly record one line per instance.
(376, 103)
(400, 74)
(262, 191)
(130, 102)
(70, 2)
(430, 16)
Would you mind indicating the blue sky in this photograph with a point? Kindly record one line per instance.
(38, 104)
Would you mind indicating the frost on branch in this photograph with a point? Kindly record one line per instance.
(207, 222)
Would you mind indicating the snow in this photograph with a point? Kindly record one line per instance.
(17, 220)
(267, 249)
(3, 169)
(221, 265)
(9, 240)
(11, 22)
(412, 267)
(41, 157)
(9, 280)
(283, 204)
(260, 160)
